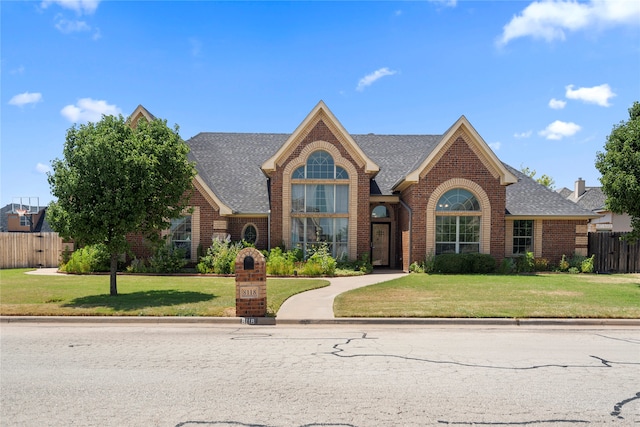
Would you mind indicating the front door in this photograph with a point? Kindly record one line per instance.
(380, 244)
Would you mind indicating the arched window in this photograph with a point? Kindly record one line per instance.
(458, 218)
(320, 209)
(380, 211)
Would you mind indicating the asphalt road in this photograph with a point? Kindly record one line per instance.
(342, 375)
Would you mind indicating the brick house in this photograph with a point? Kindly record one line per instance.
(398, 198)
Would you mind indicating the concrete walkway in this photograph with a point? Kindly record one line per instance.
(318, 303)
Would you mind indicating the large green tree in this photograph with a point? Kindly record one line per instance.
(117, 179)
(619, 165)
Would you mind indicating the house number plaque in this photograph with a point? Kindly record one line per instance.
(249, 292)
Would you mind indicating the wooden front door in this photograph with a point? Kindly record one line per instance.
(380, 244)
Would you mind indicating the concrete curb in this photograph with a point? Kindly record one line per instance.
(336, 321)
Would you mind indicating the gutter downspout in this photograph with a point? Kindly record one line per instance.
(269, 230)
(403, 204)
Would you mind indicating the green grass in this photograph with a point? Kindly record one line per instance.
(526, 296)
(88, 295)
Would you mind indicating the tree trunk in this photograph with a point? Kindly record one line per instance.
(114, 272)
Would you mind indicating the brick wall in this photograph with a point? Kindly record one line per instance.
(236, 226)
(563, 237)
(457, 161)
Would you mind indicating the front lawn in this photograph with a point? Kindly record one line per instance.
(478, 296)
(88, 295)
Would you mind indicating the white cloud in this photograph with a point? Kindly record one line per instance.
(86, 7)
(495, 145)
(557, 104)
(369, 79)
(448, 3)
(19, 70)
(26, 98)
(42, 168)
(548, 20)
(66, 26)
(89, 110)
(521, 135)
(558, 130)
(592, 95)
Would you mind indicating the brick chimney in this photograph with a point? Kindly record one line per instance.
(579, 189)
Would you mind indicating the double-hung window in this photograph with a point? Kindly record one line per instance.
(522, 236)
(180, 234)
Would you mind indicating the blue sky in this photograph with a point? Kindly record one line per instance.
(542, 82)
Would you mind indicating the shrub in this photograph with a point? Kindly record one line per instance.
(220, 257)
(320, 263)
(364, 264)
(587, 265)
(564, 264)
(89, 259)
(137, 266)
(430, 264)
(482, 263)
(541, 264)
(416, 267)
(464, 264)
(167, 259)
(525, 263)
(507, 266)
(279, 263)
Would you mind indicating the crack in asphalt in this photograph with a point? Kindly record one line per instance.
(627, 340)
(617, 408)
(513, 423)
(238, 423)
(338, 350)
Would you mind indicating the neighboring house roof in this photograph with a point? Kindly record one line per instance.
(593, 198)
(42, 226)
(4, 211)
(230, 165)
(529, 198)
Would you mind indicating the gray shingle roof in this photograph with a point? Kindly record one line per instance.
(229, 163)
(592, 199)
(527, 197)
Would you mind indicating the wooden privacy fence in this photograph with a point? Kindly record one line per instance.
(612, 254)
(21, 250)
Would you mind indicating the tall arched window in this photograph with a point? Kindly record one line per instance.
(458, 218)
(320, 205)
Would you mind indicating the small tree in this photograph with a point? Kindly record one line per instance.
(545, 180)
(619, 165)
(117, 179)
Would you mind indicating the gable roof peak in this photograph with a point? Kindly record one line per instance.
(138, 113)
(487, 155)
(318, 113)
